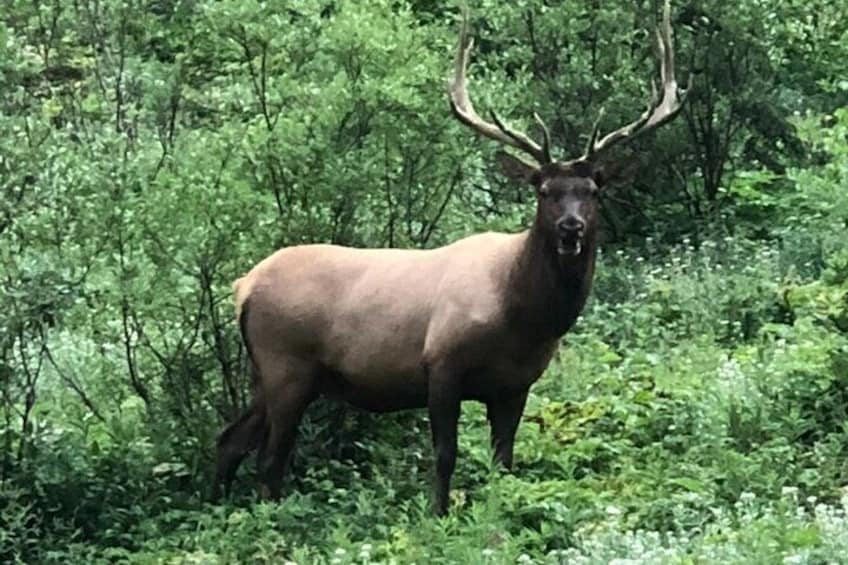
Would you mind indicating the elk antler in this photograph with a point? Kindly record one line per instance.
(659, 111)
(463, 110)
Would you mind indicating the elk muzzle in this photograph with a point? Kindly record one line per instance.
(570, 230)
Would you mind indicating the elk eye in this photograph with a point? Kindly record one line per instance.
(544, 191)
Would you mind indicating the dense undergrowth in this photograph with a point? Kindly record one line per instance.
(697, 414)
(153, 150)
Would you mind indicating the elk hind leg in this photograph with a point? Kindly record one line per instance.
(289, 392)
(234, 444)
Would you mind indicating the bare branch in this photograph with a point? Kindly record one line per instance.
(72, 382)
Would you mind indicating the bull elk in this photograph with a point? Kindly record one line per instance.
(390, 329)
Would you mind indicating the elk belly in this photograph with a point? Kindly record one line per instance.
(373, 356)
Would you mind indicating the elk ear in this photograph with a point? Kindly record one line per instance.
(599, 175)
(618, 172)
(590, 170)
(518, 169)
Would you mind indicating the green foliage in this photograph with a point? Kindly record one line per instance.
(152, 151)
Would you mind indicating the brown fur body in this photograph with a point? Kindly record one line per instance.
(368, 322)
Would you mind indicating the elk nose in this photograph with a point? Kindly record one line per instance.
(570, 225)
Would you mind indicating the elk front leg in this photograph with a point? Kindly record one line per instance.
(443, 402)
(504, 413)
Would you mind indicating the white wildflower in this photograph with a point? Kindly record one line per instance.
(790, 492)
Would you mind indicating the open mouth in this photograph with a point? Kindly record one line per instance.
(570, 247)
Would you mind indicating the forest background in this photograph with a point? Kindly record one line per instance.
(154, 150)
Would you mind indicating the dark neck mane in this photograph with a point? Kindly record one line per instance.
(548, 291)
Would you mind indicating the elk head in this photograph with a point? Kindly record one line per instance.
(567, 190)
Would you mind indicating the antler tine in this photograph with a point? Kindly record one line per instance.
(464, 111)
(546, 143)
(661, 108)
(593, 137)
